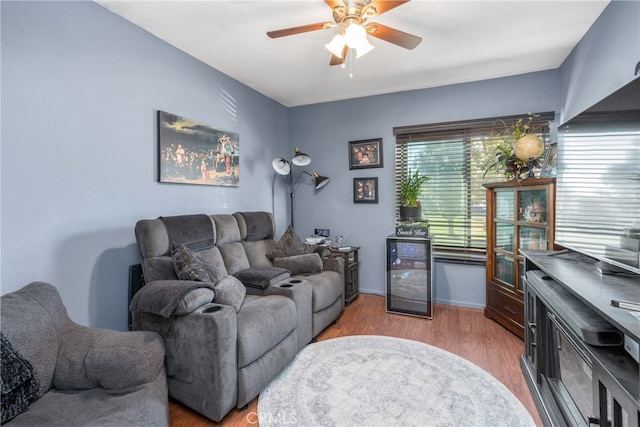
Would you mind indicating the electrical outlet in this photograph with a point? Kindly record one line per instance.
(322, 232)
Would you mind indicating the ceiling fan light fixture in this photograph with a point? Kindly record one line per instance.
(355, 35)
(363, 49)
(336, 45)
(356, 38)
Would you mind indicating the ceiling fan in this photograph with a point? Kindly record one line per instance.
(351, 16)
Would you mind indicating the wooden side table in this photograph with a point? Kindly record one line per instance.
(350, 257)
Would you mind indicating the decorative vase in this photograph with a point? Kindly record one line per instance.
(410, 213)
(529, 147)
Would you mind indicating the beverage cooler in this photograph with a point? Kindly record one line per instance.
(409, 276)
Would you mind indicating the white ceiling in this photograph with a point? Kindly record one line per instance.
(462, 41)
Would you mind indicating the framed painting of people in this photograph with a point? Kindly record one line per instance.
(190, 152)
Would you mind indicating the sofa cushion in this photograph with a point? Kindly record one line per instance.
(263, 322)
(234, 256)
(189, 266)
(288, 245)
(194, 231)
(257, 252)
(214, 261)
(255, 226)
(230, 291)
(19, 382)
(300, 264)
(262, 277)
(227, 230)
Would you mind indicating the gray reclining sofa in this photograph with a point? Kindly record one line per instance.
(223, 351)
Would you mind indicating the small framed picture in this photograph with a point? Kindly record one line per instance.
(366, 153)
(549, 164)
(365, 190)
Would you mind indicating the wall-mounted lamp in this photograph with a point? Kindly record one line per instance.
(282, 166)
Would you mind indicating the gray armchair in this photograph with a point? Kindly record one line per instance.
(58, 373)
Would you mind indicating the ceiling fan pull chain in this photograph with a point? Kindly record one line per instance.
(351, 66)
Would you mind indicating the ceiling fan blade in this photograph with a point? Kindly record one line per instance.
(339, 60)
(301, 29)
(391, 35)
(334, 3)
(383, 6)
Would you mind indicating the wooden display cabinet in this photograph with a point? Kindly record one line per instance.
(520, 215)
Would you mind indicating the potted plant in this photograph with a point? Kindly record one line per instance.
(504, 160)
(519, 152)
(410, 187)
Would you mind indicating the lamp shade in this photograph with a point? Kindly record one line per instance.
(281, 166)
(355, 35)
(356, 38)
(300, 159)
(321, 181)
(364, 48)
(336, 45)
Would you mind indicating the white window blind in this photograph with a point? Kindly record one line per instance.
(454, 156)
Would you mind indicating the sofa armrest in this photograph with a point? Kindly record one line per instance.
(334, 264)
(113, 360)
(167, 297)
(201, 351)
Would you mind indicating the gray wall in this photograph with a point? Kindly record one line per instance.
(604, 60)
(80, 90)
(323, 131)
(80, 87)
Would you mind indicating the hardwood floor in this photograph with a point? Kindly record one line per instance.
(462, 331)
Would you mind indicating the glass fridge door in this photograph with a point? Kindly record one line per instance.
(409, 276)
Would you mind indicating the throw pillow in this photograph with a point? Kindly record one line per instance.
(261, 277)
(230, 291)
(300, 264)
(288, 245)
(189, 266)
(19, 382)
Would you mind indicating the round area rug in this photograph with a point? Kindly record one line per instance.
(369, 380)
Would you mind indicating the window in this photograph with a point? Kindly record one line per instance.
(454, 156)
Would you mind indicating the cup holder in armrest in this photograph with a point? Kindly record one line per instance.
(212, 309)
(290, 283)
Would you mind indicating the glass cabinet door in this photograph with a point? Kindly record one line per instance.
(504, 237)
(532, 206)
(533, 238)
(504, 269)
(505, 204)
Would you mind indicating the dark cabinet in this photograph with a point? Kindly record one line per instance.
(350, 256)
(578, 360)
(520, 215)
